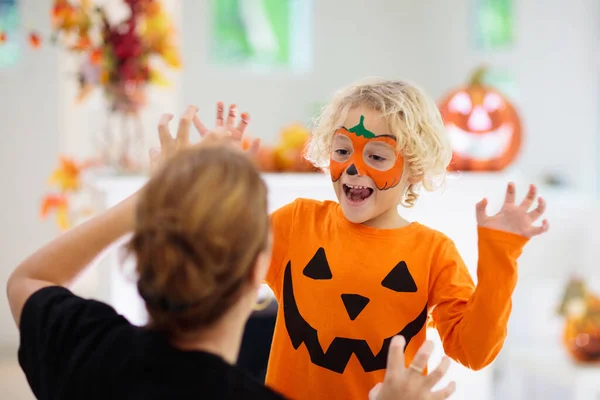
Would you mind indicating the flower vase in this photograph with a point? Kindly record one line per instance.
(123, 138)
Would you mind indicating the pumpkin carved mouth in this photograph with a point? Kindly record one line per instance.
(337, 355)
(480, 145)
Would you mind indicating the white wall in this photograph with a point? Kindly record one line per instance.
(29, 111)
(426, 42)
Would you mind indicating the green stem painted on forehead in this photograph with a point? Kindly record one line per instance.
(360, 130)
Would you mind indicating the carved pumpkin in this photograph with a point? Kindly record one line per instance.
(581, 335)
(483, 125)
(290, 149)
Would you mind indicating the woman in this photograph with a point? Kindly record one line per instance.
(201, 242)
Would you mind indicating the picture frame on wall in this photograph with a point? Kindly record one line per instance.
(10, 43)
(493, 24)
(261, 34)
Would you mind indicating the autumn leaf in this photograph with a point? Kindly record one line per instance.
(62, 218)
(51, 203)
(67, 175)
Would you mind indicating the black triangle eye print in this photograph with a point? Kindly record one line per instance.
(400, 280)
(354, 304)
(318, 267)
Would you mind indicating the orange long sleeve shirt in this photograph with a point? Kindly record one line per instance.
(344, 290)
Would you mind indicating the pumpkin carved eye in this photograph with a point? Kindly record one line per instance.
(493, 102)
(318, 267)
(400, 280)
(461, 103)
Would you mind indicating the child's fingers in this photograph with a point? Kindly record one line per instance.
(529, 198)
(480, 212)
(511, 193)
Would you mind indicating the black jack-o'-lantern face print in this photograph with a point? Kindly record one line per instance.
(338, 353)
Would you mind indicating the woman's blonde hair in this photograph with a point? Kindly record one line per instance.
(201, 223)
(411, 116)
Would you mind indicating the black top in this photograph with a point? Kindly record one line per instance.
(73, 348)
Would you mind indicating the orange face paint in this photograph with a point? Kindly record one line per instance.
(360, 160)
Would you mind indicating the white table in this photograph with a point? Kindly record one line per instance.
(548, 373)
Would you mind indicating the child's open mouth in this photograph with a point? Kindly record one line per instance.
(357, 194)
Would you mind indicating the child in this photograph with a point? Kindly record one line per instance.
(349, 276)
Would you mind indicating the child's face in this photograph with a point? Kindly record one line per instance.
(365, 168)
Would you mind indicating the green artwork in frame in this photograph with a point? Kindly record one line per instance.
(253, 32)
(10, 40)
(493, 24)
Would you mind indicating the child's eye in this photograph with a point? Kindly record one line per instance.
(375, 157)
(342, 152)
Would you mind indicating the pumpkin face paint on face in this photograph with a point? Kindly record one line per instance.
(367, 154)
(365, 167)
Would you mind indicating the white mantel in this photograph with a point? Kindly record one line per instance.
(450, 210)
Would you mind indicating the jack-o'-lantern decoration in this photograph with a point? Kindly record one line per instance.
(307, 325)
(483, 125)
(289, 151)
(581, 335)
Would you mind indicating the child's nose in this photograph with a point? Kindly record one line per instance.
(354, 304)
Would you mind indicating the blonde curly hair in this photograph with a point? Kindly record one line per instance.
(412, 117)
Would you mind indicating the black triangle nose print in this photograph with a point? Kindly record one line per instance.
(354, 304)
(400, 280)
(352, 170)
(318, 267)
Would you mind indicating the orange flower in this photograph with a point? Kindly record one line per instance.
(83, 43)
(62, 218)
(51, 202)
(35, 40)
(66, 176)
(171, 57)
(96, 56)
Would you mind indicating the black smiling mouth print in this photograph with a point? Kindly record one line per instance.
(336, 357)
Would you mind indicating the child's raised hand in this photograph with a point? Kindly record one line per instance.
(515, 218)
(402, 383)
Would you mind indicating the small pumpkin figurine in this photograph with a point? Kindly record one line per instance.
(264, 158)
(581, 335)
(483, 125)
(289, 151)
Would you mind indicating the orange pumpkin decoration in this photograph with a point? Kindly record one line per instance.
(265, 158)
(581, 335)
(484, 126)
(289, 152)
